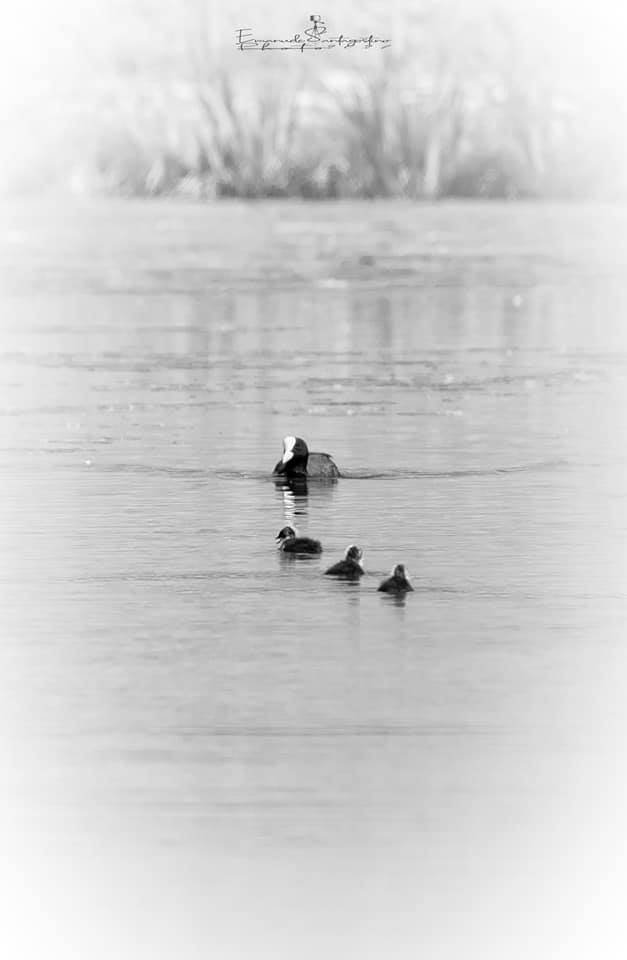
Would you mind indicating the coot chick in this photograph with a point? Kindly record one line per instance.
(398, 582)
(350, 567)
(289, 543)
(298, 463)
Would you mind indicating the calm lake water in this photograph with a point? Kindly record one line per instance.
(213, 750)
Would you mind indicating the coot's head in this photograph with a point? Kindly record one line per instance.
(287, 533)
(354, 553)
(399, 572)
(294, 459)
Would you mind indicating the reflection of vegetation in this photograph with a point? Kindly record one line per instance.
(472, 108)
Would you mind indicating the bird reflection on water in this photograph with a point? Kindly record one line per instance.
(294, 495)
(294, 498)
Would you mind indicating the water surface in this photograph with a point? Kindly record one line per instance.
(216, 749)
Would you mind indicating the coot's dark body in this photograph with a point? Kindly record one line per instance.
(398, 582)
(290, 543)
(298, 463)
(350, 567)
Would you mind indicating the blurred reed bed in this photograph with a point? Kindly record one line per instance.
(465, 115)
(350, 136)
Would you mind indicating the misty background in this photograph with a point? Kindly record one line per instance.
(484, 99)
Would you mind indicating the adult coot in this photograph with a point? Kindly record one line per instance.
(298, 463)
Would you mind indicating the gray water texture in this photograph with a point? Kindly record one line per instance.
(215, 750)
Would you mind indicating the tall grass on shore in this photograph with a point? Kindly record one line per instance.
(368, 136)
(446, 120)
